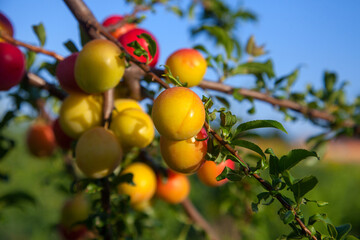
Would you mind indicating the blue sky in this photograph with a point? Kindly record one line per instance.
(316, 35)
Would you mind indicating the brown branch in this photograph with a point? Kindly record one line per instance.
(11, 40)
(198, 219)
(108, 105)
(43, 114)
(87, 19)
(83, 15)
(37, 81)
(96, 30)
(311, 113)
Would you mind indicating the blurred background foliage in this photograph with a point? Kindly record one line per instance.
(228, 208)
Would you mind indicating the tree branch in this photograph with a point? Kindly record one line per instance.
(198, 219)
(86, 18)
(37, 81)
(13, 41)
(311, 113)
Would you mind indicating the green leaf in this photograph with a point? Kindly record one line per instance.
(7, 118)
(252, 49)
(229, 174)
(288, 217)
(342, 231)
(249, 145)
(332, 230)
(30, 59)
(174, 80)
(138, 49)
(237, 95)
(274, 166)
(318, 203)
(151, 43)
(50, 67)
(84, 37)
(322, 203)
(259, 124)
(17, 197)
(255, 68)
(223, 101)
(40, 33)
(293, 158)
(201, 48)
(70, 45)
(124, 178)
(6, 144)
(177, 11)
(303, 186)
(319, 217)
(351, 237)
(221, 35)
(288, 178)
(227, 119)
(261, 196)
(329, 81)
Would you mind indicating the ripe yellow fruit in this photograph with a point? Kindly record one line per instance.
(80, 112)
(184, 156)
(178, 113)
(98, 152)
(121, 104)
(144, 179)
(187, 64)
(99, 66)
(133, 128)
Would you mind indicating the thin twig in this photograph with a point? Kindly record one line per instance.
(43, 114)
(33, 48)
(285, 103)
(37, 81)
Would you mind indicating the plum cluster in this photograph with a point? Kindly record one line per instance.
(178, 114)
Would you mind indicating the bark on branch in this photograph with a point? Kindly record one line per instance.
(198, 219)
(33, 48)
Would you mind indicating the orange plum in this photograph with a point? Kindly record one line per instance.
(174, 189)
(144, 179)
(210, 170)
(178, 113)
(187, 64)
(184, 156)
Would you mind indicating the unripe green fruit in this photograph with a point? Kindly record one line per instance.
(98, 153)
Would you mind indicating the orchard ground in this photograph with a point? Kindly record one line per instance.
(38, 222)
